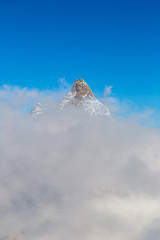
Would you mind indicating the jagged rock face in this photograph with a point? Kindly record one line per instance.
(81, 89)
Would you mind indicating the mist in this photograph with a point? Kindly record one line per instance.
(71, 176)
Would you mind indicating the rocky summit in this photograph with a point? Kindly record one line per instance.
(80, 96)
(81, 89)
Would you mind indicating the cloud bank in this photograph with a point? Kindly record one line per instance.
(71, 176)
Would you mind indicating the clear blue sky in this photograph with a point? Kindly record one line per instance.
(114, 42)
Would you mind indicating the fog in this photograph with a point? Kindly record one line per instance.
(70, 176)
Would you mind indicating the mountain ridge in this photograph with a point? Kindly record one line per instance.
(81, 96)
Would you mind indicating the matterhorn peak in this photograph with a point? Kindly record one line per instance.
(80, 96)
(81, 89)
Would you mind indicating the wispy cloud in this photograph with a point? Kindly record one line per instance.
(107, 91)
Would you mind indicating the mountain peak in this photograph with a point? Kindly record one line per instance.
(80, 89)
(80, 95)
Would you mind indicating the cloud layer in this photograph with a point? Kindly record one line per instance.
(71, 176)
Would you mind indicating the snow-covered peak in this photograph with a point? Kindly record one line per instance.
(80, 96)
(38, 110)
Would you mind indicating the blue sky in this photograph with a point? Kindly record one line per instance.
(104, 42)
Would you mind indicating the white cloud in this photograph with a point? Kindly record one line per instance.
(107, 91)
(69, 176)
